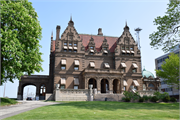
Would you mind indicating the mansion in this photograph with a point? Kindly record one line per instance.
(110, 64)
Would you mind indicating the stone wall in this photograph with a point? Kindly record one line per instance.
(72, 95)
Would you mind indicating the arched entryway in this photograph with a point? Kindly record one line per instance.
(115, 86)
(28, 90)
(104, 86)
(42, 92)
(93, 82)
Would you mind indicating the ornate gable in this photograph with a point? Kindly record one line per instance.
(126, 37)
(70, 32)
(105, 45)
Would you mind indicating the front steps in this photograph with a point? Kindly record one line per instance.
(110, 97)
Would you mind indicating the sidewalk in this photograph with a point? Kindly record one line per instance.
(12, 110)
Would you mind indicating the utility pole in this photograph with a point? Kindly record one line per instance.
(27, 92)
(4, 89)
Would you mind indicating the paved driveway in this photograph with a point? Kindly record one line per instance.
(22, 107)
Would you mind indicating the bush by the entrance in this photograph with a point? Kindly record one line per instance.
(166, 99)
(127, 99)
(173, 99)
(141, 99)
(154, 99)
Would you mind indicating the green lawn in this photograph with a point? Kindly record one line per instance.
(103, 110)
(7, 101)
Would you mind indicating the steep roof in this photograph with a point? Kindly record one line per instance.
(98, 39)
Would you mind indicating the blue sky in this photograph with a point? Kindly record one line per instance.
(88, 16)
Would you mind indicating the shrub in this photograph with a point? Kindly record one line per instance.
(154, 99)
(127, 99)
(141, 99)
(173, 99)
(128, 94)
(149, 97)
(166, 99)
(145, 97)
(123, 98)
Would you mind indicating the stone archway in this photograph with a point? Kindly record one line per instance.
(22, 90)
(93, 82)
(104, 86)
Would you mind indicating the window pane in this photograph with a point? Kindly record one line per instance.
(76, 68)
(63, 67)
(70, 50)
(75, 51)
(92, 47)
(65, 50)
(70, 44)
(75, 87)
(62, 87)
(75, 44)
(65, 43)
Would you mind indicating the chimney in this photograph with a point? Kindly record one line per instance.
(100, 31)
(57, 32)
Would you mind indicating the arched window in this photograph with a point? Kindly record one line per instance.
(150, 85)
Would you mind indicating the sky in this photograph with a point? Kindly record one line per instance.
(88, 16)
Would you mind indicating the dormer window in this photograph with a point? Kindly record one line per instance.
(91, 47)
(75, 44)
(70, 44)
(123, 48)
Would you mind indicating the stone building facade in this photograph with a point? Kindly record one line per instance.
(110, 64)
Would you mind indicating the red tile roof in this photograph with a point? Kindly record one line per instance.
(98, 41)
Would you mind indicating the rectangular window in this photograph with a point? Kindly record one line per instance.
(91, 47)
(76, 67)
(127, 48)
(65, 50)
(70, 50)
(134, 70)
(124, 88)
(65, 43)
(70, 44)
(123, 70)
(123, 48)
(131, 48)
(62, 86)
(76, 87)
(75, 44)
(105, 48)
(63, 67)
(75, 51)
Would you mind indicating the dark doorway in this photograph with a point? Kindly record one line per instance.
(42, 92)
(104, 86)
(115, 86)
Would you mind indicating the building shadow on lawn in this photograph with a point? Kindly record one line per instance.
(109, 105)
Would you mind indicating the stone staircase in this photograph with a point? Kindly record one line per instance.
(110, 97)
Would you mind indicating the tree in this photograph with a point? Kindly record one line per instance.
(170, 70)
(20, 35)
(168, 30)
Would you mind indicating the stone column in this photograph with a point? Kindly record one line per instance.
(86, 82)
(122, 85)
(98, 86)
(111, 86)
(37, 92)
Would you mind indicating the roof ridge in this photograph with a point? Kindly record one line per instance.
(98, 35)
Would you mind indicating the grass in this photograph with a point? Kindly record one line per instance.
(7, 101)
(103, 110)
